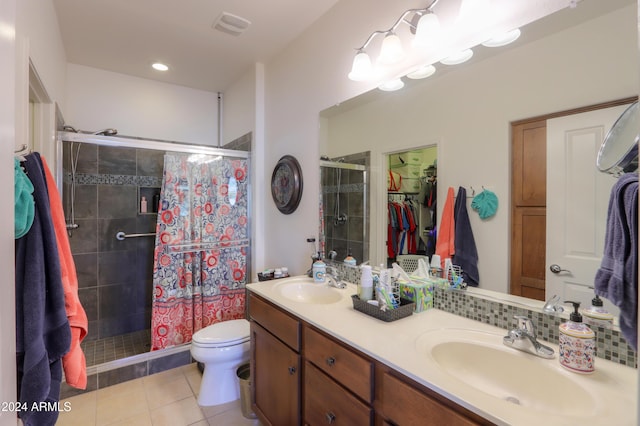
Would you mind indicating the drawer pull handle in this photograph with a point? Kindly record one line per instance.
(331, 417)
(292, 370)
(331, 361)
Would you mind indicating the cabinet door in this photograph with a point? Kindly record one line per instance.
(328, 403)
(275, 379)
(402, 404)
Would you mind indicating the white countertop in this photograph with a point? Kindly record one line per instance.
(612, 387)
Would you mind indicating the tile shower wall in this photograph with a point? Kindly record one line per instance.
(114, 277)
(354, 202)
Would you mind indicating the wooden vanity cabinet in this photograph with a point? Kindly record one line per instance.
(338, 382)
(275, 364)
(337, 385)
(399, 401)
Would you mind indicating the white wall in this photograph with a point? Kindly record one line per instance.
(37, 26)
(97, 99)
(468, 112)
(239, 112)
(7, 135)
(311, 75)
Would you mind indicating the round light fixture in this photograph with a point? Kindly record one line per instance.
(503, 39)
(391, 85)
(158, 66)
(458, 58)
(422, 72)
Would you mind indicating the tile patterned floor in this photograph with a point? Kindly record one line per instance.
(111, 348)
(167, 398)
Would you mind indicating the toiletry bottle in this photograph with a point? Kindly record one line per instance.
(577, 343)
(319, 270)
(350, 260)
(156, 202)
(596, 315)
(365, 289)
(143, 205)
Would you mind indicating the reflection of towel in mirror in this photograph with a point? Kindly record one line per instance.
(617, 278)
(445, 245)
(466, 256)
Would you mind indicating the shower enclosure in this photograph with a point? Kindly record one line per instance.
(344, 205)
(111, 190)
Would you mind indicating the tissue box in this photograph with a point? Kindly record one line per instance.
(420, 291)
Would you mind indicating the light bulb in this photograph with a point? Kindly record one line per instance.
(503, 39)
(391, 51)
(391, 85)
(361, 69)
(159, 66)
(422, 72)
(458, 58)
(427, 30)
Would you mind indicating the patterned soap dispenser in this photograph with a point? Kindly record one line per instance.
(577, 343)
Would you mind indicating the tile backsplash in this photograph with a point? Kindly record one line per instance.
(610, 344)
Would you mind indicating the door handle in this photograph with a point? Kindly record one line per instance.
(556, 269)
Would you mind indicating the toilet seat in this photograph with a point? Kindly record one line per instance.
(223, 334)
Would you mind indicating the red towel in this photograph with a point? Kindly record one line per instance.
(445, 246)
(74, 362)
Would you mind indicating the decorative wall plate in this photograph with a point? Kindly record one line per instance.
(286, 184)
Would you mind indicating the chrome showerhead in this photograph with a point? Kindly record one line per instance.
(107, 132)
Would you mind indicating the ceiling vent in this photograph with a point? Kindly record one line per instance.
(231, 24)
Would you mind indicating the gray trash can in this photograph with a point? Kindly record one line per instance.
(244, 377)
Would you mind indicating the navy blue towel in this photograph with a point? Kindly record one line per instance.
(43, 334)
(617, 278)
(466, 253)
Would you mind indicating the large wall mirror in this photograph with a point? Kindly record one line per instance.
(571, 59)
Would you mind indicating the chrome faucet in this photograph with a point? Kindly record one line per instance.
(553, 306)
(333, 278)
(524, 339)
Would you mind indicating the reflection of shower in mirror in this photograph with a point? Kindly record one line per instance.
(338, 218)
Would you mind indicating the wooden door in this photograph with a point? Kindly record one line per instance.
(528, 210)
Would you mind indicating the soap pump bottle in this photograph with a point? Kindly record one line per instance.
(350, 260)
(319, 270)
(577, 343)
(365, 288)
(596, 315)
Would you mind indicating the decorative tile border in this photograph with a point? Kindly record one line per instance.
(610, 344)
(107, 179)
(347, 187)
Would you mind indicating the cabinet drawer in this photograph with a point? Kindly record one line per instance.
(279, 323)
(402, 404)
(346, 367)
(326, 402)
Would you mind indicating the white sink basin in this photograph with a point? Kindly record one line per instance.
(481, 361)
(304, 290)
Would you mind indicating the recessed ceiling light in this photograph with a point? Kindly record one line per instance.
(503, 39)
(422, 72)
(458, 58)
(160, 67)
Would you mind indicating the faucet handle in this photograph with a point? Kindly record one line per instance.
(524, 323)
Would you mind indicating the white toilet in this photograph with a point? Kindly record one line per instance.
(222, 348)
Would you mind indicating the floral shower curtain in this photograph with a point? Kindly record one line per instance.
(202, 237)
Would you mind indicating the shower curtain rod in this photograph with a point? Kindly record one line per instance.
(128, 142)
